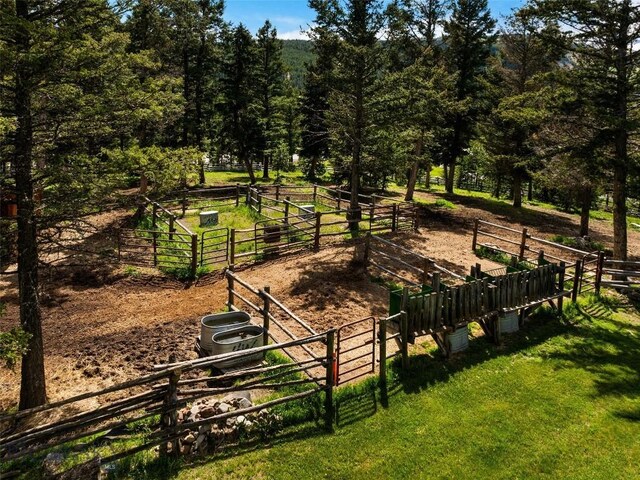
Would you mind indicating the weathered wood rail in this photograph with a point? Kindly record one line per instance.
(404, 264)
(156, 398)
(461, 304)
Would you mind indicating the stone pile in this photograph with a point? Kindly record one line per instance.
(210, 436)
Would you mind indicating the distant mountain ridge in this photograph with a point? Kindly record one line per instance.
(296, 55)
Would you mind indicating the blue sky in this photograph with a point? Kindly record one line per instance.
(289, 16)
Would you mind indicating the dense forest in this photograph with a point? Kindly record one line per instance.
(296, 56)
(95, 95)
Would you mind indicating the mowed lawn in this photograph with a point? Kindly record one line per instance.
(558, 400)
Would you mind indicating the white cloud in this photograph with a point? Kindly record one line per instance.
(298, 34)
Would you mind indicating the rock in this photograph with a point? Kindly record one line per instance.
(235, 395)
(243, 403)
(224, 407)
(241, 419)
(207, 412)
(200, 440)
(231, 422)
(52, 462)
(189, 438)
(185, 449)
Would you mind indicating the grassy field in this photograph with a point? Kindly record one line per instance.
(558, 400)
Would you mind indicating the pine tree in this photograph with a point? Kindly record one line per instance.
(240, 100)
(518, 79)
(315, 104)
(468, 34)
(603, 37)
(270, 86)
(73, 89)
(356, 26)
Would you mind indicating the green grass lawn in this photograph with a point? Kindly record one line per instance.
(558, 400)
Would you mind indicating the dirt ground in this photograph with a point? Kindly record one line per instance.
(103, 325)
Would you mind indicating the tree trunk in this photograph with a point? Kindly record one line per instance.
(201, 174)
(33, 387)
(450, 176)
(585, 209)
(248, 164)
(427, 179)
(144, 183)
(530, 190)
(413, 175)
(517, 190)
(496, 193)
(312, 168)
(199, 94)
(620, 212)
(265, 166)
(185, 93)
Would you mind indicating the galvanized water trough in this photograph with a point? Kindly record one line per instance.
(219, 322)
(236, 340)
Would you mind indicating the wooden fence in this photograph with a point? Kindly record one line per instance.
(403, 264)
(618, 274)
(156, 397)
(522, 246)
(483, 300)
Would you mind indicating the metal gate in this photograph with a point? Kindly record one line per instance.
(214, 246)
(355, 350)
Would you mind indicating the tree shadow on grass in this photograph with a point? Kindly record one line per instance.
(429, 368)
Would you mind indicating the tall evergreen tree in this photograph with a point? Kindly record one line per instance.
(315, 104)
(356, 25)
(270, 87)
(518, 80)
(603, 37)
(469, 34)
(240, 101)
(72, 90)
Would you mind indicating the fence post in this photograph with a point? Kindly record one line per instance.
(184, 202)
(367, 250)
(194, 254)
(265, 314)
(286, 209)
(259, 201)
(170, 415)
(540, 257)
(172, 228)
(523, 243)
(404, 334)
(277, 192)
(232, 247)
(154, 217)
(576, 281)
(382, 337)
(599, 268)
(329, 381)
(339, 198)
(425, 271)
(315, 193)
(154, 235)
(394, 218)
(372, 212)
(316, 239)
(435, 281)
(237, 194)
(474, 242)
(561, 286)
(230, 286)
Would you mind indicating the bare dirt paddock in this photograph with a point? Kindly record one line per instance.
(104, 326)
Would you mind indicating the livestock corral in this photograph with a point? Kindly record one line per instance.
(123, 341)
